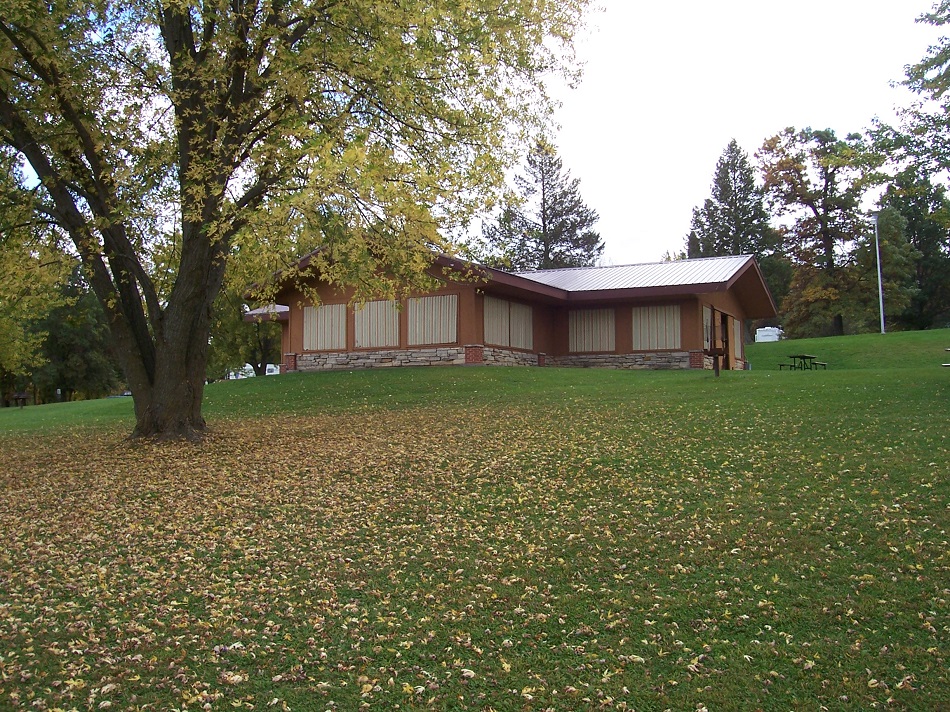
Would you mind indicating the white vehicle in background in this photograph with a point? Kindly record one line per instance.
(769, 333)
(248, 371)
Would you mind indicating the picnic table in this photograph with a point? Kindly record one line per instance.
(802, 362)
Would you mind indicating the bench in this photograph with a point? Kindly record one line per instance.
(816, 364)
(783, 366)
(21, 398)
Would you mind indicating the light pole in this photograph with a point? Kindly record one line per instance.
(880, 284)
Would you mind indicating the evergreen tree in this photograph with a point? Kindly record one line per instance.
(733, 221)
(78, 362)
(899, 258)
(552, 226)
(926, 212)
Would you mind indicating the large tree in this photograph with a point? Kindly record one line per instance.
(733, 220)
(548, 225)
(165, 137)
(815, 181)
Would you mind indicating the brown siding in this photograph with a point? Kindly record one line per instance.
(470, 323)
(543, 329)
(691, 314)
(623, 344)
(560, 332)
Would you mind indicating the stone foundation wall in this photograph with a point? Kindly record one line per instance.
(344, 360)
(663, 360)
(507, 357)
(492, 356)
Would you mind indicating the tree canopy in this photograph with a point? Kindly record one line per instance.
(733, 220)
(925, 210)
(815, 181)
(77, 359)
(548, 225)
(31, 269)
(165, 139)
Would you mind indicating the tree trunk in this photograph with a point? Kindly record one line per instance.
(166, 373)
(837, 326)
(169, 408)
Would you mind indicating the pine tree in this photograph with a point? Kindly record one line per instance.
(733, 220)
(926, 211)
(551, 228)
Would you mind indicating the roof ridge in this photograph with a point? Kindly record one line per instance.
(631, 264)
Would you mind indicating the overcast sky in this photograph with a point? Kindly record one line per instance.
(668, 84)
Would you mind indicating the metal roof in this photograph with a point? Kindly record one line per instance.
(706, 270)
(269, 312)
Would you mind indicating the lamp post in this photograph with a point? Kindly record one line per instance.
(880, 284)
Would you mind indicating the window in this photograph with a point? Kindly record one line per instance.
(656, 328)
(591, 330)
(324, 327)
(522, 326)
(497, 322)
(376, 324)
(433, 320)
(508, 324)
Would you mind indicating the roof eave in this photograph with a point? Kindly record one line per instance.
(510, 283)
(760, 303)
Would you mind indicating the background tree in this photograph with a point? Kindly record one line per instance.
(550, 227)
(920, 150)
(925, 210)
(734, 221)
(898, 262)
(77, 360)
(28, 291)
(813, 302)
(235, 342)
(816, 181)
(208, 125)
(31, 270)
(504, 239)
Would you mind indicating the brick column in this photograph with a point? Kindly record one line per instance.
(696, 359)
(289, 364)
(542, 358)
(474, 354)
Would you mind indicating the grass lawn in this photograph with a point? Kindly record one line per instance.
(493, 538)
